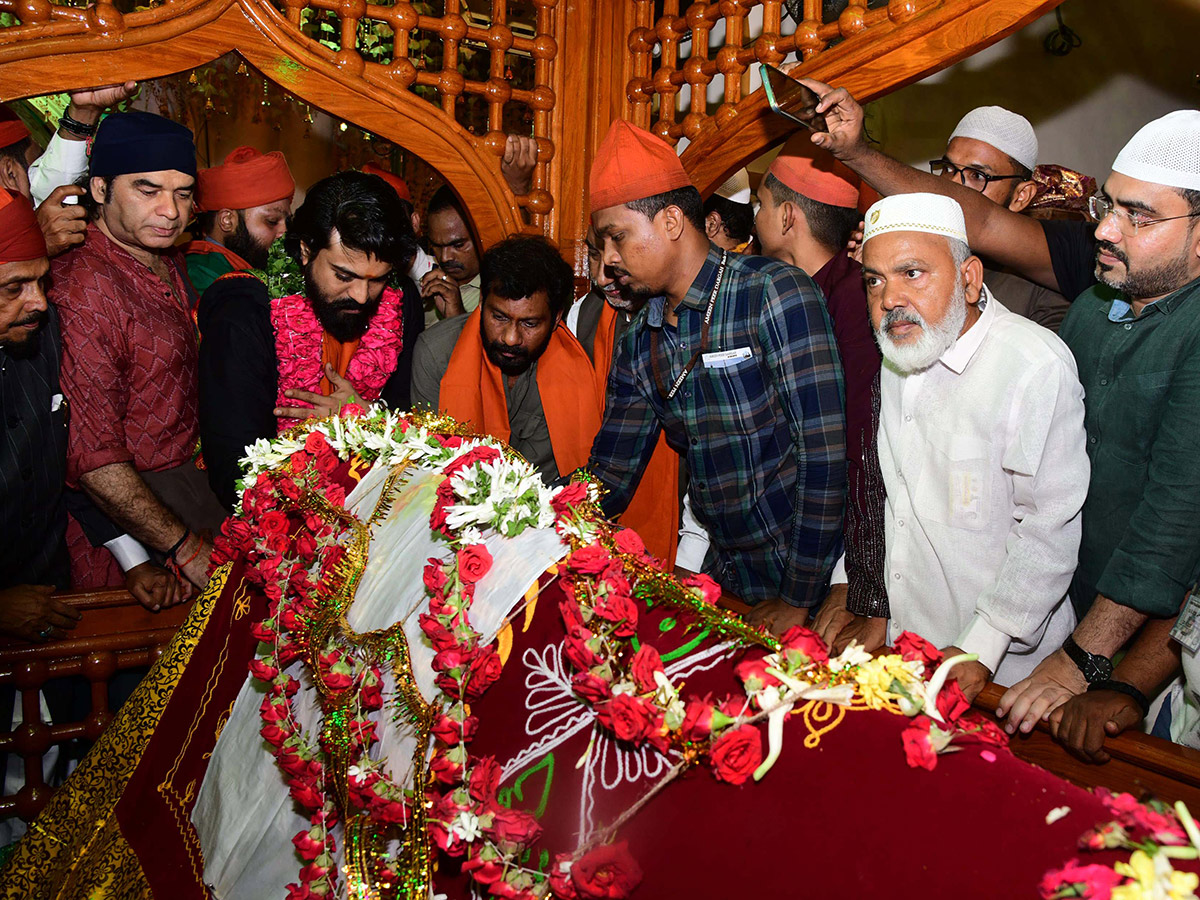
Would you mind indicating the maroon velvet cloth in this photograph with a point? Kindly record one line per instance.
(849, 818)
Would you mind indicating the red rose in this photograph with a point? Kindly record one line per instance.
(274, 522)
(591, 688)
(629, 541)
(578, 653)
(568, 497)
(952, 702)
(619, 609)
(473, 563)
(289, 489)
(444, 769)
(485, 669)
(645, 663)
(262, 671)
(352, 409)
(485, 779)
(300, 461)
(315, 442)
(514, 826)
(799, 639)
(736, 754)
(571, 615)
(918, 746)
(306, 795)
(450, 731)
(607, 873)
(306, 547)
(589, 560)
(325, 463)
(560, 878)
(452, 658)
(450, 442)
(440, 637)
(1076, 880)
(336, 495)
(710, 591)
(629, 718)
(484, 871)
(443, 499)
(754, 675)
(914, 647)
(697, 720)
(434, 576)
(308, 846)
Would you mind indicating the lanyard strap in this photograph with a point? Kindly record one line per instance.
(655, 363)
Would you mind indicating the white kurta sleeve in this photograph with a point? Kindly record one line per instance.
(64, 162)
(1046, 457)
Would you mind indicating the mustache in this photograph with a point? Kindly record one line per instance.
(37, 318)
(348, 306)
(897, 316)
(1111, 250)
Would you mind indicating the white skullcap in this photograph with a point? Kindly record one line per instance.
(1004, 130)
(1165, 151)
(931, 213)
(737, 188)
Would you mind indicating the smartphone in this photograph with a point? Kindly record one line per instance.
(791, 99)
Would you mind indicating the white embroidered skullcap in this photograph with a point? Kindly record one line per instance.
(1004, 130)
(930, 213)
(737, 188)
(1165, 151)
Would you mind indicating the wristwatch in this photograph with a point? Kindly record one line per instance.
(1093, 666)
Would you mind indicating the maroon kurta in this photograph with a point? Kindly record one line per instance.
(128, 369)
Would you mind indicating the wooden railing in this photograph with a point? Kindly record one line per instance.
(114, 634)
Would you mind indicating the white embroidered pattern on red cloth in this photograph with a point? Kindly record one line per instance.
(298, 346)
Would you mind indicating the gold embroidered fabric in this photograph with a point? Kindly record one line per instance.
(75, 849)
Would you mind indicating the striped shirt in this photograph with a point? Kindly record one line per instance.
(764, 436)
(33, 464)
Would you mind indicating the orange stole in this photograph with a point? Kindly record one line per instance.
(654, 510)
(336, 354)
(472, 390)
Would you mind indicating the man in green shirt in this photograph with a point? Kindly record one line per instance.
(1134, 328)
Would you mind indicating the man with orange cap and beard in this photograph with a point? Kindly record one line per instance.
(242, 207)
(734, 360)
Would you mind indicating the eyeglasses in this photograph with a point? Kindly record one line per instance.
(1128, 223)
(968, 176)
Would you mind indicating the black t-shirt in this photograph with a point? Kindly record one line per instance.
(1072, 253)
(239, 373)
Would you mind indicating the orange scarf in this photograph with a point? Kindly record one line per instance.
(654, 510)
(338, 355)
(472, 390)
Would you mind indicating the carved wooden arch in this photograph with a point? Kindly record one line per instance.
(882, 50)
(84, 50)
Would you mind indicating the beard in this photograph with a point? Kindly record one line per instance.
(244, 244)
(920, 353)
(27, 347)
(346, 319)
(512, 360)
(1142, 284)
(635, 297)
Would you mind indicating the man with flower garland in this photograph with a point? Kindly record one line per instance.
(331, 326)
(512, 368)
(756, 406)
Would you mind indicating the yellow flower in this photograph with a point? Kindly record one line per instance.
(1154, 879)
(877, 677)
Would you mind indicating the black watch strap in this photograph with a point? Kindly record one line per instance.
(1122, 687)
(1093, 666)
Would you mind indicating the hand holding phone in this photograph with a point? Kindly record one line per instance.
(791, 99)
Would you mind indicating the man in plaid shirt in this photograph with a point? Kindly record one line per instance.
(734, 358)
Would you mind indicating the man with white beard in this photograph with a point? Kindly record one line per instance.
(981, 446)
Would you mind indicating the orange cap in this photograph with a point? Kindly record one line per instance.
(246, 179)
(631, 164)
(12, 129)
(398, 184)
(815, 174)
(20, 236)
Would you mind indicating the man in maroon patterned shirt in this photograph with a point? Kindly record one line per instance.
(129, 360)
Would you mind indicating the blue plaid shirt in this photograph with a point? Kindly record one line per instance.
(764, 438)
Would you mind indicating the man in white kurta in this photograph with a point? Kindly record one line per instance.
(981, 447)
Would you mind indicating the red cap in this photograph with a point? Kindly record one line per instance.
(632, 164)
(12, 129)
(397, 183)
(246, 179)
(815, 174)
(20, 236)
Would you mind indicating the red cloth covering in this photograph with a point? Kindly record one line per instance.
(246, 179)
(631, 164)
(815, 174)
(129, 365)
(20, 236)
(399, 185)
(12, 129)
